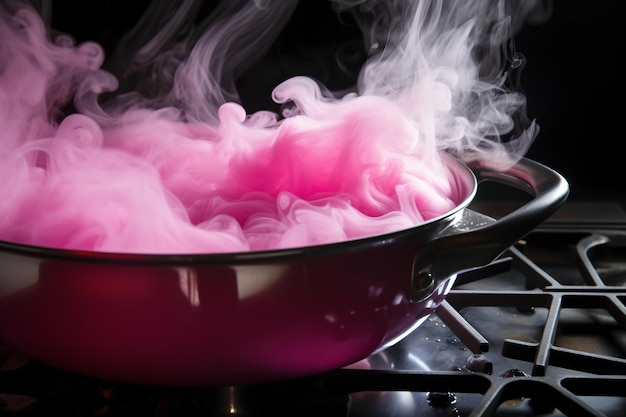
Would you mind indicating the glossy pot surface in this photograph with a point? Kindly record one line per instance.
(244, 318)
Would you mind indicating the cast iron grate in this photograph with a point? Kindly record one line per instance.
(581, 373)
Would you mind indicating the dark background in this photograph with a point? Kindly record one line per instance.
(573, 78)
(574, 84)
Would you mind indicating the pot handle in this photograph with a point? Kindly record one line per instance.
(460, 250)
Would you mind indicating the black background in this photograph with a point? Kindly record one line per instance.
(574, 84)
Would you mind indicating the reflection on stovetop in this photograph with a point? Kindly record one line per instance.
(539, 332)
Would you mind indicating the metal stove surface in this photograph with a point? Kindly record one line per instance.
(539, 332)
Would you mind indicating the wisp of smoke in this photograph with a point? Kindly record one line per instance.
(163, 157)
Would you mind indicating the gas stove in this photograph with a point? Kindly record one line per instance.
(541, 331)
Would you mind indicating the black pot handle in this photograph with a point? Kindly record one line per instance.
(457, 250)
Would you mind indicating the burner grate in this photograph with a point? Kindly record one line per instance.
(563, 380)
(545, 394)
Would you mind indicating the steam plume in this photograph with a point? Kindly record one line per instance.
(151, 149)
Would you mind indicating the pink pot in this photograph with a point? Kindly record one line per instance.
(244, 318)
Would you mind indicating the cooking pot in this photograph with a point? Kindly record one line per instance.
(254, 317)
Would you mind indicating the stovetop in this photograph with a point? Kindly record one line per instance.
(539, 332)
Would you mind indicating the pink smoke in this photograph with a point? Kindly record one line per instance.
(185, 169)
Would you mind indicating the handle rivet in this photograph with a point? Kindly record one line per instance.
(424, 280)
(422, 284)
